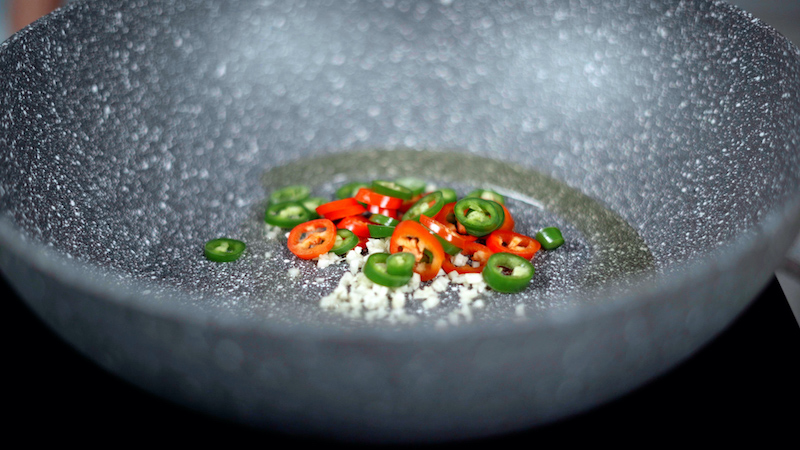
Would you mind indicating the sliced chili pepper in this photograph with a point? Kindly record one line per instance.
(444, 232)
(448, 248)
(415, 185)
(479, 217)
(224, 249)
(358, 224)
(448, 195)
(287, 214)
(487, 194)
(313, 238)
(350, 189)
(505, 272)
(382, 219)
(514, 243)
(446, 215)
(409, 203)
(461, 230)
(462, 233)
(290, 194)
(380, 231)
(392, 189)
(347, 212)
(400, 263)
(411, 236)
(371, 197)
(447, 218)
(382, 211)
(428, 205)
(328, 207)
(476, 253)
(508, 221)
(345, 241)
(338, 209)
(376, 269)
(311, 205)
(550, 238)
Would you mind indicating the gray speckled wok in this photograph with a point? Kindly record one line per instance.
(662, 137)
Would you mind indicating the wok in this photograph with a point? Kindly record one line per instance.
(662, 138)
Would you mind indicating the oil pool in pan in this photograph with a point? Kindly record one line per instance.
(601, 247)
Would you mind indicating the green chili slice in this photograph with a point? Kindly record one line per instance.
(415, 185)
(376, 269)
(287, 214)
(448, 195)
(487, 194)
(224, 249)
(401, 263)
(479, 216)
(380, 219)
(391, 189)
(448, 248)
(345, 241)
(550, 238)
(506, 272)
(350, 189)
(311, 205)
(428, 205)
(380, 231)
(294, 193)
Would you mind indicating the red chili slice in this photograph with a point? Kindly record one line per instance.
(338, 209)
(371, 197)
(476, 253)
(410, 236)
(347, 212)
(313, 238)
(510, 242)
(448, 219)
(445, 215)
(443, 231)
(386, 212)
(409, 203)
(508, 222)
(336, 205)
(357, 224)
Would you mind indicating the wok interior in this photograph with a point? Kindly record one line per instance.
(134, 133)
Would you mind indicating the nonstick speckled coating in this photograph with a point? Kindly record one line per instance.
(661, 137)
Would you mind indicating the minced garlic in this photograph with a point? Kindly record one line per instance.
(356, 296)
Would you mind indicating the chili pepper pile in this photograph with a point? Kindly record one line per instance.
(428, 231)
